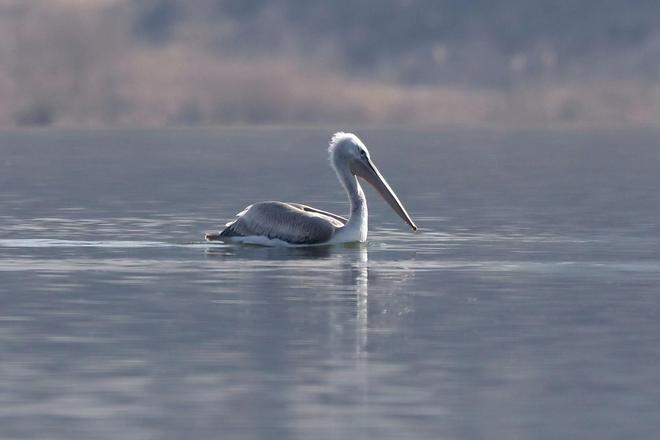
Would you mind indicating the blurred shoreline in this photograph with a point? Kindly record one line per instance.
(158, 63)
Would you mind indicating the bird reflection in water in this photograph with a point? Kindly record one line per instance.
(362, 297)
(349, 263)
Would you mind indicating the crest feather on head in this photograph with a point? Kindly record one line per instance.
(338, 138)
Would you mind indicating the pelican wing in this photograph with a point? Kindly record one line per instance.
(289, 222)
(339, 218)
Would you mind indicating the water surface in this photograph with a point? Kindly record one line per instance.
(527, 306)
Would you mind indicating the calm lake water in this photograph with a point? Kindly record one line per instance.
(526, 307)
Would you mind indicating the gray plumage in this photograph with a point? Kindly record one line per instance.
(290, 222)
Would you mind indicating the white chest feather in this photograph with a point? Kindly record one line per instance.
(357, 227)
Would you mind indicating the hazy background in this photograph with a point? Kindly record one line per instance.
(178, 62)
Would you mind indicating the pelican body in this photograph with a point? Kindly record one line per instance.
(294, 224)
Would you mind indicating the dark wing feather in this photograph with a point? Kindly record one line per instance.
(339, 218)
(292, 223)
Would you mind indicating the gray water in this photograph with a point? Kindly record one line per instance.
(527, 306)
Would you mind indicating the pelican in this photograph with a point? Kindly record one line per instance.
(294, 224)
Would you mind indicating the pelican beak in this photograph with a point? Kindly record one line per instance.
(367, 170)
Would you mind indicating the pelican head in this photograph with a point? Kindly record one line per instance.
(349, 154)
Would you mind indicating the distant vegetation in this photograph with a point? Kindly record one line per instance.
(159, 62)
(477, 41)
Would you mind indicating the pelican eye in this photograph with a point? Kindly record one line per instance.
(363, 153)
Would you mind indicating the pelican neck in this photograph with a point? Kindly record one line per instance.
(357, 225)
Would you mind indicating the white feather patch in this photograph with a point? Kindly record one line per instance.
(340, 137)
(239, 215)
